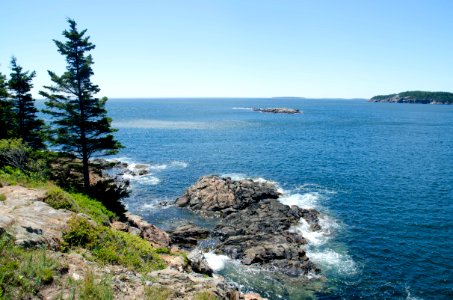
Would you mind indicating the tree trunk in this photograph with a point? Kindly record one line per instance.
(86, 173)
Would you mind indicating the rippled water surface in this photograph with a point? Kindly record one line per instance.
(381, 173)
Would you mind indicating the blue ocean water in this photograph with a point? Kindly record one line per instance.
(381, 173)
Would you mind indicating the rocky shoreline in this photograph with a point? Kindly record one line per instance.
(254, 227)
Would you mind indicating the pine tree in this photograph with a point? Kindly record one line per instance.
(28, 126)
(80, 121)
(7, 116)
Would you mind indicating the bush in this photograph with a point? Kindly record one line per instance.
(59, 199)
(14, 153)
(2, 197)
(111, 246)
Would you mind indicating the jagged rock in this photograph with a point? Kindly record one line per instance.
(120, 226)
(198, 262)
(188, 235)
(254, 226)
(188, 285)
(212, 195)
(149, 232)
(278, 110)
(30, 221)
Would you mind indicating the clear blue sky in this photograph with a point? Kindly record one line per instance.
(241, 48)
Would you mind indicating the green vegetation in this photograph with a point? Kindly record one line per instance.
(80, 203)
(157, 292)
(23, 272)
(206, 295)
(2, 197)
(95, 289)
(80, 123)
(111, 246)
(28, 126)
(416, 97)
(6, 110)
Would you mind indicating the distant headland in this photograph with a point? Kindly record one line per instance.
(418, 97)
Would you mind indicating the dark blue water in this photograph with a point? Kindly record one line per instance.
(382, 174)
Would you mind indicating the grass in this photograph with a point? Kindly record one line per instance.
(157, 292)
(80, 203)
(2, 197)
(13, 176)
(23, 272)
(112, 247)
(92, 289)
(206, 295)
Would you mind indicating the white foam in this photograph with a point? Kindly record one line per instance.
(216, 262)
(306, 200)
(329, 259)
(243, 108)
(173, 164)
(409, 296)
(147, 179)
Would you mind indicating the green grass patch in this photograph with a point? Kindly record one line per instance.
(95, 289)
(206, 295)
(23, 272)
(80, 203)
(111, 246)
(157, 292)
(14, 176)
(2, 197)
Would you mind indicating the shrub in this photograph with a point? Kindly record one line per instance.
(59, 199)
(2, 197)
(111, 246)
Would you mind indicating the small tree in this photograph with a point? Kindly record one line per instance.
(7, 115)
(29, 127)
(80, 121)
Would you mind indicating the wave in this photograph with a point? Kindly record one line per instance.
(242, 108)
(215, 261)
(150, 177)
(331, 260)
(172, 164)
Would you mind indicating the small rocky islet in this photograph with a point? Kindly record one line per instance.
(278, 110)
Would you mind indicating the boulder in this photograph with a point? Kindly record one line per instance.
(155, 236)
(30, 221)
(214, 195)
(198, 262)
(188, 235)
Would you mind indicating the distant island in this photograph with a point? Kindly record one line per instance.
(419, 97)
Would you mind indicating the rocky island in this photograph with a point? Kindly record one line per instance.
(278, 110)
(417, 97)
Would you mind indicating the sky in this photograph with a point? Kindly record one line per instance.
(240, 48)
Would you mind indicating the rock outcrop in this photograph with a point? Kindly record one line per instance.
(278, 110)
(32, 222)
(217, 196)
(155, 236)
(188, 235)
(254, 226)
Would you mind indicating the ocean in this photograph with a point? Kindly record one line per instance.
(382, 174)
